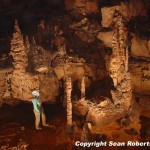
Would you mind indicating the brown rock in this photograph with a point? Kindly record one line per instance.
(80, 109)
(49, 88)
(107, 15)
(140, 47)
(106, 38)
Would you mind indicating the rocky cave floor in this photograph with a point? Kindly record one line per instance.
(17, 130)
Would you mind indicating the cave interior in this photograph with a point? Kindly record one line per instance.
(90, 60)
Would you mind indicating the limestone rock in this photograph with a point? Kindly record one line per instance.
(49, 88)
(140, 77)
(18, 50)
(107, 15)
(118, 63)
(91, 7)
(83, 7)
(140, 47)
(108, 12)
(106, 38)
(103, 116)
(86, 132)
(40, 60)
(104, 103)
(23, 84)
(80, 109)
(137, 8)
(5, 83)
(144, 102)
(116, 96)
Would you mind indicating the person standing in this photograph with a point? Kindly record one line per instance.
(38, 110)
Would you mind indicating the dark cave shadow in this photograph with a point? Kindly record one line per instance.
(100, 88)
(145, 127)
(24, 115)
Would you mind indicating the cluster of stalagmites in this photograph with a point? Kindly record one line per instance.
(22, 83)
(118, 64)
(22, 78)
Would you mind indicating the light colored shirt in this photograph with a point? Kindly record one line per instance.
(37, 105)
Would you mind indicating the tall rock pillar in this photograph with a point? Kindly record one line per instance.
(118, 67)
(22, 83)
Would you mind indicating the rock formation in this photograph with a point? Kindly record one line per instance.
(118, 66)
(83, 88)
(22, 83)
(69, 102)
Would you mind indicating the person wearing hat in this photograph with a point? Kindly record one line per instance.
(38, 110)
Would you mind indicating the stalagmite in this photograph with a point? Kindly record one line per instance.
(69, 103)
(118, 67)
(20, 78)
(18, 50)
(83, 88)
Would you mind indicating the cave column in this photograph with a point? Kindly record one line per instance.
(118, 67)
(83, 88)
(69, 103)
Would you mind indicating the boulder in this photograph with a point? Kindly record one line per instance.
(105, 116)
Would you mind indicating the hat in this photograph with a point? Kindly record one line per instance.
(35, 93)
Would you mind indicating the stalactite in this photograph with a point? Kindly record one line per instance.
(69, 103)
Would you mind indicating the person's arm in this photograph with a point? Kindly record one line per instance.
(35, 106)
